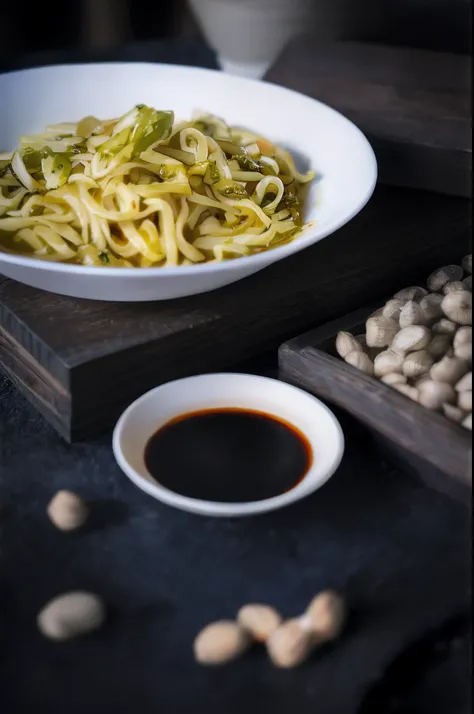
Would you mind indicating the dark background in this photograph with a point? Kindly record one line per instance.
(431, 24)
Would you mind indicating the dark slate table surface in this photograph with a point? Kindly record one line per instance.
(399, 551)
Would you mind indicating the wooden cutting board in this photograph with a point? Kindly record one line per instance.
(81, 362)
(413, 105)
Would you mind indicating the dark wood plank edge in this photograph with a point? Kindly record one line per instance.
(422, 167)
(427, 142)
(24, 336)
(36, 384)
(431, 90)
(427, 435)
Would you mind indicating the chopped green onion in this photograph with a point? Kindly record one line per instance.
(20, 171)
(152, 127)
(232, 189)
(230, 148)
(56, 170)
(173, 173)
(13, 201)
(212, 175)
(199, 169)
(292, 202)
(32, 158)
(246, 163)
(127, 121)
(115, 144)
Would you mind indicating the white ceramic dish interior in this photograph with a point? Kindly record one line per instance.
(329, 143)
(157, 407)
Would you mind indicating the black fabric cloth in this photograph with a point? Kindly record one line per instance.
(398, 550)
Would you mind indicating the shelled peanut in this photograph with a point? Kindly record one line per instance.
(293, 642)
(420, 343)
(70, 615)
(67, 511)
(288, 643)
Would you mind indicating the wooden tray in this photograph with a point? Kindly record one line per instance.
(81, 362)
(414, 105)
(437, 449)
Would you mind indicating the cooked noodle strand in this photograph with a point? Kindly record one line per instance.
(145, 190)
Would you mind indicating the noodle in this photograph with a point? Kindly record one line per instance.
(144, 190)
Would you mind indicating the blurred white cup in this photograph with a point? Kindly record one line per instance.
(248, 35)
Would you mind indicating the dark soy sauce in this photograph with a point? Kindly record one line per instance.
(233, 455)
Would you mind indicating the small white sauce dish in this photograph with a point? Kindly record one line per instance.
(157, 407)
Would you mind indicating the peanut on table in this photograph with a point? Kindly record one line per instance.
(288, 643)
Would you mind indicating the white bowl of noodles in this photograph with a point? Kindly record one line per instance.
(180, 181)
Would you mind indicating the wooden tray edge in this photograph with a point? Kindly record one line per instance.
(424, 434)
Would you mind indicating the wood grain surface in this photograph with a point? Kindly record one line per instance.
(428, 438)
(87, 360)
(413, 105)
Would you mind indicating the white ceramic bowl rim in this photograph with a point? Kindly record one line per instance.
(275, 397)
(224, 266)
